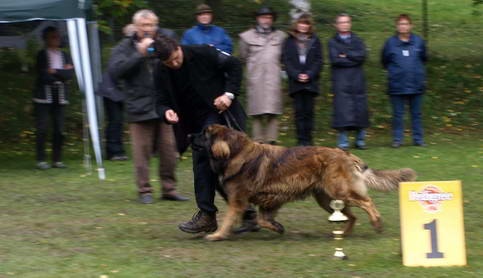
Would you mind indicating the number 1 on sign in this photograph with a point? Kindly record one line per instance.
(435, 254)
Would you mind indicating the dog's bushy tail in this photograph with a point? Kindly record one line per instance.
(387, 180)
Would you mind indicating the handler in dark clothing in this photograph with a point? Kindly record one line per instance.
(201, 87)
(347, 54)
(134, 66)
(55, 69)
(302, 57)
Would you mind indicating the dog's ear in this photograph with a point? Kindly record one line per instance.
(220, 149)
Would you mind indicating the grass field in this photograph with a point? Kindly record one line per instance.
(64, 223)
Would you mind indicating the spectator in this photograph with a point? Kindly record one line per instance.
(207, 33)
(261, 48)
(134, 66)
(204, 85)
(54, 68)
(404, 56)
(113, 97)
(347, 54)
(302, 57)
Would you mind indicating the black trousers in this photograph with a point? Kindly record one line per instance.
(304, 116)
(44, 113)
(206, 181)
(114, 128)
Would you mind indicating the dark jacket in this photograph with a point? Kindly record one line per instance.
(208, 34)
(211, 73)
(404, 62)
(293, 66)
(47, 83)
(136, 72)
(348, 83)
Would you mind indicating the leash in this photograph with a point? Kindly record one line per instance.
(230, 120)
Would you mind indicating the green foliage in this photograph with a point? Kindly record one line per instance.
(113, 12)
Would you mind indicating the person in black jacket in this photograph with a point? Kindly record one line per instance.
(134, 66)
(55, 69)
(302, 57)
(201, 88)
(347, 54)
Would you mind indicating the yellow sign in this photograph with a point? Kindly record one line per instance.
(432, 230)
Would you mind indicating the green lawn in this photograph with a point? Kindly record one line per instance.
(64, 223)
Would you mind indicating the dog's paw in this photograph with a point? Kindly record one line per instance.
(215, 237)
(278, 227)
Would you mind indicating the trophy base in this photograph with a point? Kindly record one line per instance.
(339, 254)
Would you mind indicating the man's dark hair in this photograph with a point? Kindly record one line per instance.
(48, 30)
(403, 17)
(165, 47)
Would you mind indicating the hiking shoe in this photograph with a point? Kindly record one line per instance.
(118, 158)
(201, 222)
(43, 165)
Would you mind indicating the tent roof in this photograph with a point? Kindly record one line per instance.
(43, 9)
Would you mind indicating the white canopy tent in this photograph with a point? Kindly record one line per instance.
(73, 12)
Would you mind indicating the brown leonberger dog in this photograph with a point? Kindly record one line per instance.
(270, 176)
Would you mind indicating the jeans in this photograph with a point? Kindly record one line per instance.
(304, 117)
(114, 130)
(415, 102)
(343, 139)
(44, 113)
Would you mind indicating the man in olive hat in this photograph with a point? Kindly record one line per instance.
(204, 32)
(260, 49)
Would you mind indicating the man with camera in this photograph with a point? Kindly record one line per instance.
(133, 64)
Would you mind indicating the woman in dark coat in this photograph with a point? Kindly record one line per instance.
(302, 57)
(54, 69)
(347, 54)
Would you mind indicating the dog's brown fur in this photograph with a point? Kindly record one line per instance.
(270, 176)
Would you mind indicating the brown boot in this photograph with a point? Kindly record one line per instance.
(201, 222)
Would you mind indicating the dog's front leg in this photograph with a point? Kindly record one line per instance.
(235, 209)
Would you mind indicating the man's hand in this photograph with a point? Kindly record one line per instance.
(342, 55)
(143, 45)
(222, 103)
(304, 78)
(68, 66)
(171, 116)
(51, 71)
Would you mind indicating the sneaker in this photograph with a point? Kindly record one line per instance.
(43, 165)
(146, 198)
(59, 164)
(421, 144)
(174, 197)
(396, 145)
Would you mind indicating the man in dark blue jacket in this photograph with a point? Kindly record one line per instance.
(403, 56)
(206, 33)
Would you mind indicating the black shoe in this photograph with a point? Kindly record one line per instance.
(360, 147)
(174, 197)
(249, 222)
(146, 198)
(118, 158)
(201, 222)
(396, 145)
(420, 145)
